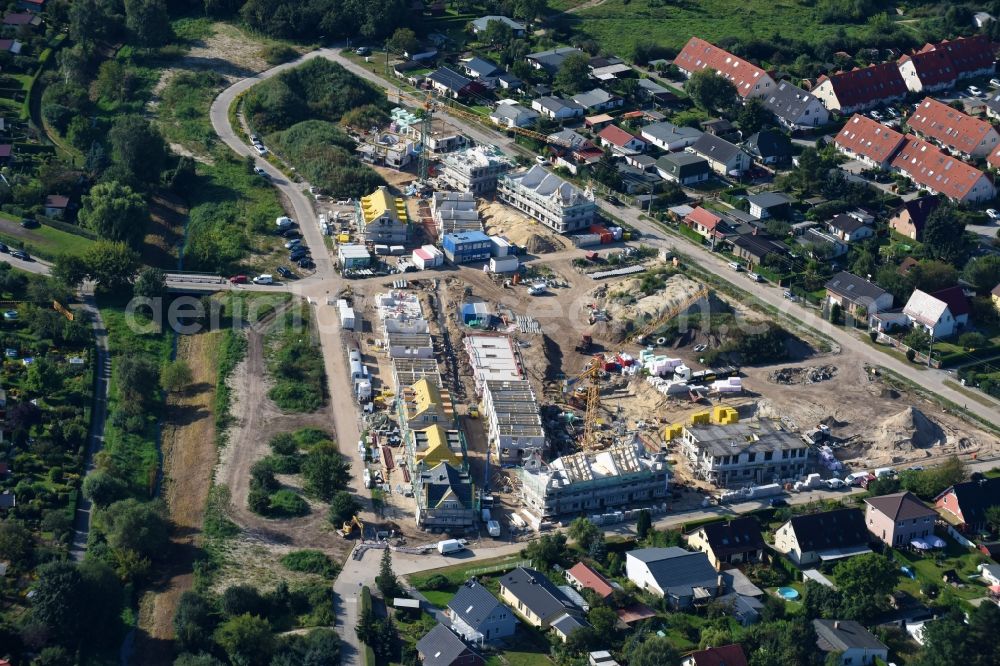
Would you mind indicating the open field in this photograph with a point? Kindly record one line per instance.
(618, 25)
(44, 241)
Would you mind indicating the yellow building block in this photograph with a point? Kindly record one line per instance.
(672, 431)
(701, 418)
(725, 415)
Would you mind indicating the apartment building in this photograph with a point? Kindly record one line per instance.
(556, 203)
(744, 453)
(475, 169)
(513, 425)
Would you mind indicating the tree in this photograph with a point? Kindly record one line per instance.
(69, 269)
(176, 376)
(653, 651)
(138, 148)
(604, 621)
(643, 524)
(983, 272)
(404, 40)
(752, 116)
(386, 580)
(111, 264)
(200, 659)
(548, 550)
(931, 275)
(993, 518)
(43, 378)
(151, 283)
(711, 92)
(247, 639)
(135, 375)
(16, 542)
(243, 599)
(148, 21)
(973, 340)
(865, 581)
(528, 10)
(133, 525)
(194, 622)
(325, 472)
(497, 32)
(944, 234)
(343, 507)
(60, 603)
(115, 212)
(573, 75)
(103, 488)
(584, 532)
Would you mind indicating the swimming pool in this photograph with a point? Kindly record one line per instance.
(788, 593)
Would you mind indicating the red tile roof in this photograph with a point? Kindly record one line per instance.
(929, 167)
(635, 612)
(868, 85)
(698, 54)
(863, 136)
(18, 18)
(949, 127)
(968, 54)
(933, 67)
(956, 300)
(591, 579)
(704, 217)
(616, 136)
(56, 201)
(727, 655)
(5, 150)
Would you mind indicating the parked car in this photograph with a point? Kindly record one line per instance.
(238, 279)
(284, 272)
(265, 278)
(875, 115)
(298, 253)
(261, 150)
(345, 202)
(4, 248)
(778, 502)
(290, 233)
(995, 83)
(540, 159)
(700, 348)
(22, 255)
(736, 266)
(974, 91)
(992, 213)
(29, 223)
(613, 200)
(755, 277)
(292, 243)
(260, 172)
(363, 51)
(306, 263)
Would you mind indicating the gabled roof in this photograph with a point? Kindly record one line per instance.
(866, 85)
(593, 98)
(450, 79)
(974, 497)
(854, 289)
(551, 60)
(929, 167)
(919, 210)
(733, 536)
(924, 308)
(56, 201)
(483, 22)
(536, 592)
(967, 54)
(948, 126)
(698, 54)
(616, 136)
(727, 655)
(566, 624)
(20, 18)
(683, 163)
(441, 647)
(769, 143)
(900, 506)
(444, 483)
(473, 604)
(556, 104)
(768, 200)
(380, 203)
(759, 245)
(704, 217)
(590, 579)
(956, 300)
(712, 147)
(788, 102)
(846, 223)
(863, 136)
(481, 67)
(677, 571)
(830, 529)
(932, 67)
(843, 635)
(667, 131)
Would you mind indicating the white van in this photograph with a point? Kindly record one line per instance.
(266, 278)
(449, 546)
(284, 222)
(735, 266)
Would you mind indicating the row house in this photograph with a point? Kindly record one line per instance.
(959, 133)
(749, 79)
(868, 141)
(940, 66)
(861, 88)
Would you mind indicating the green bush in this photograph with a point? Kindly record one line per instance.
(276, 54)
(284, 444)
(310, 561)
(287, 503)
(307, 438)
(297, 367)
(437, 582)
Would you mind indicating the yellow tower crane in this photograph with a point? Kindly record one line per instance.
(669, 314)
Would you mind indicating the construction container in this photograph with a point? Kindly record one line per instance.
(343, 238)
(504, 264)
(499, 246)
(584, 240)
(467, 246)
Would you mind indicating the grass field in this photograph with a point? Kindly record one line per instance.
(618, 25)
(43, 241)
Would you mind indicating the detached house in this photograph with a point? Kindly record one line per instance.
(539, 602)
(513, 115)
(863, 139)
(581, 576)
(726, 655)
(861, 89)
(853, 644)
(749, 79)
(769, 147)
(441, 647)
(480, 25)
(723, 157)
(960, 133)
(445, 498)
(855, 294)
(898, 518)
(706, 222)
(557, 108)
(683, 168)
(550, 61)
(477, 616)
(735, 541)
(681, 577)
(850, 227)
(382, 218)
(910, 218)
(765, 205)
(598, 100)
(670, 137)
(823, 537)
(941, 314)
(449, 83)
(965, 504)
(620, 141)
(795, 108)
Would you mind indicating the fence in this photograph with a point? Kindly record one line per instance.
(962, 541)
(919, 358)
(503, 566)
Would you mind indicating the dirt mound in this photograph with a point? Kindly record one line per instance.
(536, 244)
(803, 375)
(909, 429)
(624, 315)
(518, 228)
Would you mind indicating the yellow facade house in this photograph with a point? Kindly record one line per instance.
(382, 218)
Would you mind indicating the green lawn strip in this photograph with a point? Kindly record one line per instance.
(457, 574)
(44, 241)
(970, 393)
(438, 598)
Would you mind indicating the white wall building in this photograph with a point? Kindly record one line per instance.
(556, 203)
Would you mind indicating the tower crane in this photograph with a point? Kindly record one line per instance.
(593, 400)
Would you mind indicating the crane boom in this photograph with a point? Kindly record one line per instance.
(670, 314)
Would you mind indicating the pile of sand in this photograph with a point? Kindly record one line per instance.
(501, 220)
(624, 318)
(909, 429)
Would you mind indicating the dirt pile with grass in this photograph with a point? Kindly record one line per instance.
(908, 430)
(629, 310)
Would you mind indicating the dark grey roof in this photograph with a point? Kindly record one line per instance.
(788, 102)
(567, 624)
(901, 506)
(975, 497)
(600, 61)
(442, 480)
(846, 223)
(678, 571)
(717, 149)
(555, 104)
(919, 209)
(593, 98)
(667, 131)
(734, 536)
(450, 79)
(473, 604)
(551, 60)
(993, 103)
(830, 529)
(843, 635)
(536, 592)
(682, 161)
(481, 67)
(769, 143)
(441, 647)
(853, 288)
(769, 199)
(759, 246)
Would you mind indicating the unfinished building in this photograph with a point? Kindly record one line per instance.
(741, 454)
(408, 371)
(593, 482)
(475, 170)
(455, 212)
(409, 338)
(493, 358)
(556, 203)
(513, 425)
(446, 498)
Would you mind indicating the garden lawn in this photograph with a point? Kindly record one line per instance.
(532, 649)
(618, 25)
(962, 560)
(44, 241)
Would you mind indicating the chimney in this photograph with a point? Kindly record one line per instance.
(719, 582)
(836, 624)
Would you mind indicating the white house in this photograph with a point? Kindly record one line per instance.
(852, 644)
(940, 314)
(670, 137)
(557, 108)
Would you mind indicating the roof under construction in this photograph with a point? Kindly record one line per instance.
(752, 436)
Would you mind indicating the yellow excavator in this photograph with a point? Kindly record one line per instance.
(349, 526)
